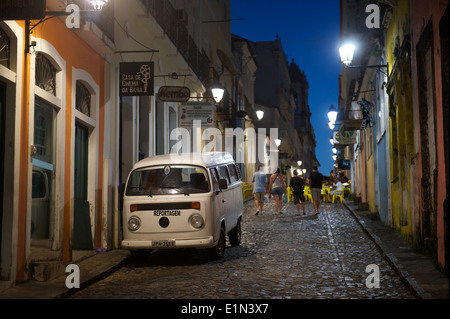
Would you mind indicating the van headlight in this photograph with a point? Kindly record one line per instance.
(197, 221)
(134, 223)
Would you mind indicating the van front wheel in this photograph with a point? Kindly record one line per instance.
(235, 235)
(218, 251)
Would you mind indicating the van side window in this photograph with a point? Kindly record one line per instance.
(214, 178)
(223, 173)
(233, 173)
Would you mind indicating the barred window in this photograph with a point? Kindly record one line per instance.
(45, 74)
(83, 99)
(5, 44)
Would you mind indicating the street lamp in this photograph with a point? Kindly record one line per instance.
(299, 163)
(334, 150)
(331, 125)
(332, 141)
(347, 52)
(277, 142)
(332, 114)
(260, 114)
(217, 91)
(98, 4)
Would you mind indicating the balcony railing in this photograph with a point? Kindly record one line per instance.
(171, 23)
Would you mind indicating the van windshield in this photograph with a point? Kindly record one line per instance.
(168, 180)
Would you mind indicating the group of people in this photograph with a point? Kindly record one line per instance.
(276, 187)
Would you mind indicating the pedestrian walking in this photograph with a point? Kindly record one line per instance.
(259, 181)
(315, 180)
(277, 188)
(297, 183)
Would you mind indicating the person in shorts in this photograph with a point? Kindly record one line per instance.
(315, 182)
(297, 184)
(259, 189)
(277, 188)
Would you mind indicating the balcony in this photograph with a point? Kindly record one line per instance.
(174, 26)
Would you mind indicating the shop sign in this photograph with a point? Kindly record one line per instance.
(174, 94)
(344, 137)
(136, 78)
(199, 111)
(22, 9)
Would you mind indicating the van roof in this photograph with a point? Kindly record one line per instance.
(203, 159)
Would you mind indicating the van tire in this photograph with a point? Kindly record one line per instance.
(235, 235)
(218, 251)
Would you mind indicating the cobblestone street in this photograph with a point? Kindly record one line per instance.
(281, 257)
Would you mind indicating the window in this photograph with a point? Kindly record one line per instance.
(83, 99)
(5, 53)
(233, 173)
(45, 74)
(168, 180)
(223, 173)
(215, 178)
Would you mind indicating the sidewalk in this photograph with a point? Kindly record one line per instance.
(418, 271)
(92, 269)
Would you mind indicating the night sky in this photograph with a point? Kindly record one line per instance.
(309, 33)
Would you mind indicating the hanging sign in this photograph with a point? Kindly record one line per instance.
(22, 10)
(201, 111)
(136, 79)
(174, 94)
(344, 137)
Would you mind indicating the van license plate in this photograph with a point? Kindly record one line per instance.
(163, 243)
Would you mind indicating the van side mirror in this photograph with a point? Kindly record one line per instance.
(223, 184)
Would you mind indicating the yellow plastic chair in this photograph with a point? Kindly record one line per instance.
(338, 195)
(307, 193)
(325, 194)
(290, 194)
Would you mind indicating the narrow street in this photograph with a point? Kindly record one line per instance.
(281, 257)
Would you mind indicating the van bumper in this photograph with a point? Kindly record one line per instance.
(200, 243)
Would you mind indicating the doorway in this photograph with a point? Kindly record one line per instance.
(82, 234)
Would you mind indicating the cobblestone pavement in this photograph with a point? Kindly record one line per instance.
(281, 257)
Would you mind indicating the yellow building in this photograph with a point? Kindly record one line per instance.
(403, 163)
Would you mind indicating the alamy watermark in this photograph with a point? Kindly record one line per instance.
(373, 280)
(373, 19)
(73, 279)
(249, 145)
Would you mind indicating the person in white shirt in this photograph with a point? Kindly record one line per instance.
(337, 187)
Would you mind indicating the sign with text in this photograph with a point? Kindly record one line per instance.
(136, 78)
(201, 111)
(22, 9)
(344, 137)
(174, 94)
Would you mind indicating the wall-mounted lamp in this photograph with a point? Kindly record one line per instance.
(217, 91)
(98, 4)
(332, 114)
(304, 171)
(347, 53)
(277, 142)
(331, 125)
(299, 163)
(260, 114)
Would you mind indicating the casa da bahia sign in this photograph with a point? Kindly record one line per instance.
(136, 78)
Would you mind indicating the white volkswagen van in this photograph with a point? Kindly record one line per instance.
(189, 202)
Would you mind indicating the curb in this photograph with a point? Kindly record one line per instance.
(415, 288)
